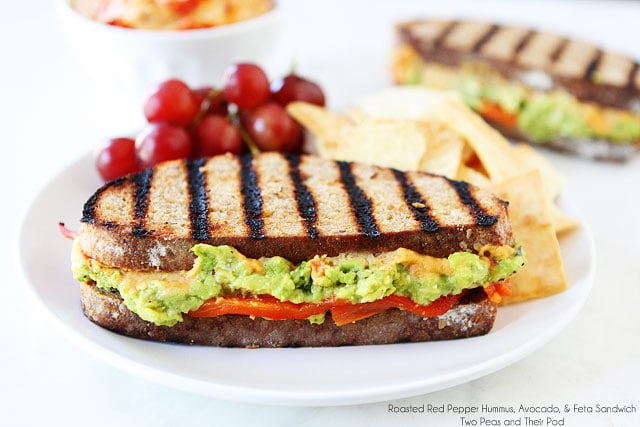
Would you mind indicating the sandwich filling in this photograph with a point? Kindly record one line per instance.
(222, 273)
(529, 104)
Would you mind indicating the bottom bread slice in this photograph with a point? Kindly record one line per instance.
(474, 316)
(594, 149)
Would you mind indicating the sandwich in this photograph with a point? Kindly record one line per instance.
(281, 250)
(531, 85)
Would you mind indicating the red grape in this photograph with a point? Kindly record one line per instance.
(212, 100)
(208, 121)
(295, 88)
(171, 101)
(245, 85)
(115, 158)
(162, 141)
(215, 134)
(272, 129)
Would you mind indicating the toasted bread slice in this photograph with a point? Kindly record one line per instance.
(541, 61)
(583, 69)
(473, 316)
(273, 204)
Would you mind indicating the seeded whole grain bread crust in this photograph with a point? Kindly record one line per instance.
(291, 206)
(597, 149)
(473, 316)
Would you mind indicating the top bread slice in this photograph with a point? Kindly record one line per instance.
(274, 204)
(588, 72)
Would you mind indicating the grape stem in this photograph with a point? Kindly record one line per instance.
(233, 117)
(203, 111)
(246, 138)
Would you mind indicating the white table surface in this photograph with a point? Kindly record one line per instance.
(51, 113)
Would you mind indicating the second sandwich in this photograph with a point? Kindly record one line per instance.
(532, 85)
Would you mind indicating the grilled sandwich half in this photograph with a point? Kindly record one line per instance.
(537, 86)
(274, 250)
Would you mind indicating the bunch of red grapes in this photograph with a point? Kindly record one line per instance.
(246, 113)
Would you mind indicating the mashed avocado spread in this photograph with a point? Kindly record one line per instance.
(163, 297)
(543, 115)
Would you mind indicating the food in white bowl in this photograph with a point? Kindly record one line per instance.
(171, 14)
(132, 60)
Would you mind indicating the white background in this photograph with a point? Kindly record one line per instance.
(51, 113)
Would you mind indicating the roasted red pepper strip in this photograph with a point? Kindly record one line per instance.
(496, 291)
(354, 312)
(342, 311)
(67, 233)
(261, 306)
(493, 112)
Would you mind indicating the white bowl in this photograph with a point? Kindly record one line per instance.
(133, 60)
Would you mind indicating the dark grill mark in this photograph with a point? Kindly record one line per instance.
(109, 225)
(557, 53)
(252, 199)
(360, 203)
(440, 38)
(485, 38)
(522, 44)
(423, 45)
(590, 72)
(142, 182)
(465, 196)
(89, 208)
(632, 75)
(306, 204)
(416, 203)
(140, 231)
(198, 200)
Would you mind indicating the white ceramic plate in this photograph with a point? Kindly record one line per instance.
(302, 376)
